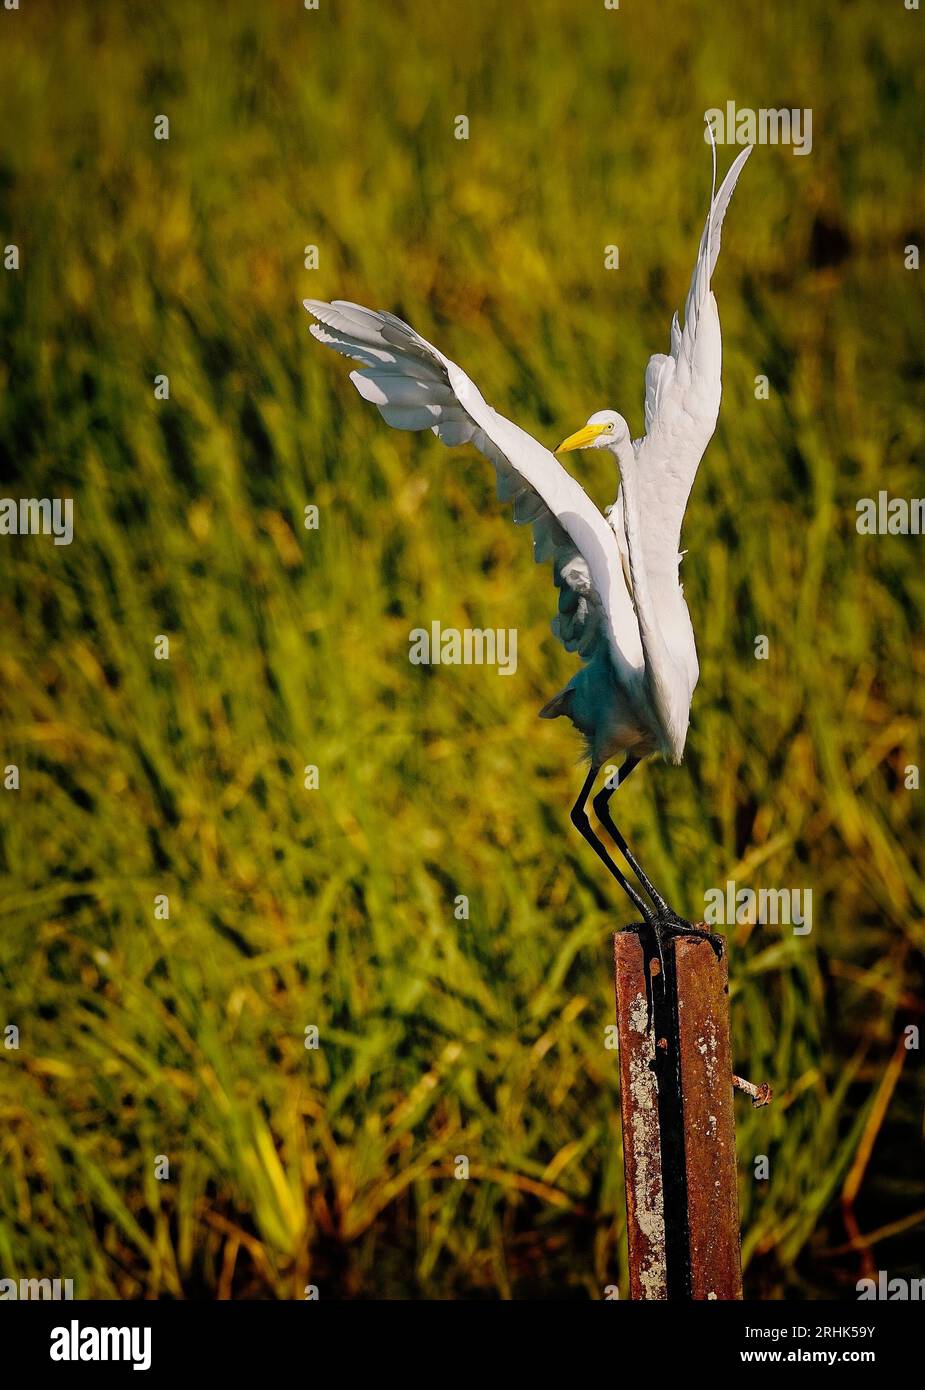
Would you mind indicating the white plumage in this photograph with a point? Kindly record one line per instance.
(621, 606)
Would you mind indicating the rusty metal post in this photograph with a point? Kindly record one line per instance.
(678, 1123)
(642, 1161)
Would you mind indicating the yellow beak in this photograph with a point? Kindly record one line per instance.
(581, 438)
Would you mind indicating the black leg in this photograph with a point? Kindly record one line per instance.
(666, 922)
(602, 811)
(581, 823)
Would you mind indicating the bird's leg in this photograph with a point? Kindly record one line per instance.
(665, 922)
(582, 824)
(602, 811)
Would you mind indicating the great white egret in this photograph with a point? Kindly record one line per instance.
(621, 605)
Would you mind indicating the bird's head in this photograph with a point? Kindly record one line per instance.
(604, 430)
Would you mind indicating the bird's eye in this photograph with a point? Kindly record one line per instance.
(610, 427)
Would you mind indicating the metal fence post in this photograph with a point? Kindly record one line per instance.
(678, 1122)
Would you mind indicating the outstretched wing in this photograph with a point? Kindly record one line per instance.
(682, 399)
(415, 387)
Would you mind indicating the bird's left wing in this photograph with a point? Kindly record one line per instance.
(683, 391)
(415, 387)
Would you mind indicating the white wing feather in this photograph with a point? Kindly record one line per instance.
(683, 392)
(415, 387)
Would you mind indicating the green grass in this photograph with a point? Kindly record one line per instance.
(334, 907)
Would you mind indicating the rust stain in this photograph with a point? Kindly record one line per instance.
(709, 1123)
(641, 1137)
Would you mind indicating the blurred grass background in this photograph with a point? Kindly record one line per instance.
(288, 647)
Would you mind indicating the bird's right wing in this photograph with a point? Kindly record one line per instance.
(683, 390)
(415, 387)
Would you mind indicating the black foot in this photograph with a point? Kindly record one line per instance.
(666, 924)
(660, 927)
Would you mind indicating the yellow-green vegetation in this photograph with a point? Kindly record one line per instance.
(334, 907)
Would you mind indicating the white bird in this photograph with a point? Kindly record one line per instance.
(621, 605)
